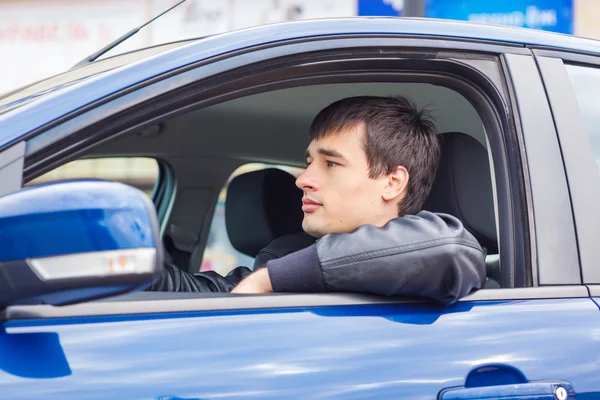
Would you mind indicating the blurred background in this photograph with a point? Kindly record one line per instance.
(42, 38)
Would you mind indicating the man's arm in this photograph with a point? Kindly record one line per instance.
(173, 279)
(427, 255)
(283, 246)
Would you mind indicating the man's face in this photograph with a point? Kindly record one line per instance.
(339, 196)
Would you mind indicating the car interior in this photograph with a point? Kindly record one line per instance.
(201, 150)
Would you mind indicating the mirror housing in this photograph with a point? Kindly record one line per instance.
(71, 241)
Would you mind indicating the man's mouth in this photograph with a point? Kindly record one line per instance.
(309, 205)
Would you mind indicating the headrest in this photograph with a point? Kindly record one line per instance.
(463, 187)
(260, 207)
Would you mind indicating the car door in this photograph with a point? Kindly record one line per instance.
(537, 336)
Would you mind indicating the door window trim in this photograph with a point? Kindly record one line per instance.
(556, 261)
(11, 168)
(569, 57)
(594, 290)
(143, 304)
(495, 118)
(508, 206)
(578, 158)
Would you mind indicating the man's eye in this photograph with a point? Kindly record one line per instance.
(332, 164)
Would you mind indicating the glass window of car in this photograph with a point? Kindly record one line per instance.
(219, 254)
(139, 172)
(586, 83)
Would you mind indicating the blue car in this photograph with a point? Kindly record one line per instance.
(520, 111)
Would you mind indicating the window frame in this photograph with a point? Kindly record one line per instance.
(487, 74)
(116, 109)
(556, 259)
(578, 155)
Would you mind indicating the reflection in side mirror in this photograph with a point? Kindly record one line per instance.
(68, 242)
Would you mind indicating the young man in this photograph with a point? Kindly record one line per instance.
(371, 164)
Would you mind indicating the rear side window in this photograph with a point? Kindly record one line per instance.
(586, 83)
(139, 172)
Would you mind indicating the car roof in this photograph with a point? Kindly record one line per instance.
(29, 111)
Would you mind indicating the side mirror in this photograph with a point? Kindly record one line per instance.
(71, 241)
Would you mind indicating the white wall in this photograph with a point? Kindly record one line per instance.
(41, 38)
(587, 18)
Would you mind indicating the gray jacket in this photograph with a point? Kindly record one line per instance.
(426, 255)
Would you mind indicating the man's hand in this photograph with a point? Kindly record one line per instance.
(257, 282)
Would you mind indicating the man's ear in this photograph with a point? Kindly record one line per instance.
(396, 184)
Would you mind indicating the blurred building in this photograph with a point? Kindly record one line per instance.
(548, 15)
(41, 38)
(586, 19)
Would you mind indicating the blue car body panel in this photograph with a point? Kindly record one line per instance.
(351, 352)
(36, 114)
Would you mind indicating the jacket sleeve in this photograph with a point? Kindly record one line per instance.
(173, 279)
(425, 255)
(282, 246)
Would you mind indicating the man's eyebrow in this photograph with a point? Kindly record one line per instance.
(330, 153)
(325, 152)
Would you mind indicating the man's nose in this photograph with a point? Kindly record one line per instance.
(306, 180)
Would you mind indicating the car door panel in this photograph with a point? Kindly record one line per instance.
(370, 351)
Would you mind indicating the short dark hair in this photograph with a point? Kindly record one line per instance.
(396, 133)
